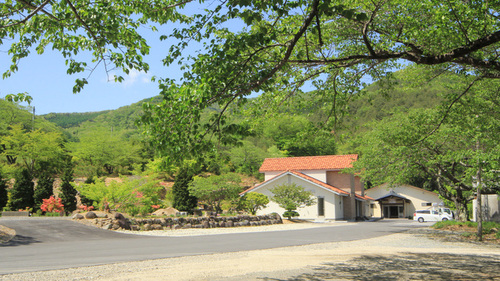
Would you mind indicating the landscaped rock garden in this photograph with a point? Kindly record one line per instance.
(117, 221)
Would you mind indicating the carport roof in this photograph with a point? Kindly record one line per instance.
(392, 194)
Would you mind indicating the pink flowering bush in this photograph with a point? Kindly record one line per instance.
(52, 205)
(86, 208)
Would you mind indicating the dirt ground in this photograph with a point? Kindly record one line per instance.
(417, 255)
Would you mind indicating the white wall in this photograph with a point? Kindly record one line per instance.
(490, 208)
(415, 194)
(317, 174)
(332, 208)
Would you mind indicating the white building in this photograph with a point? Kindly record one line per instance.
(338, 195)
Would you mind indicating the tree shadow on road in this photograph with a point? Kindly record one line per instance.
(19, 240)
(409, 266)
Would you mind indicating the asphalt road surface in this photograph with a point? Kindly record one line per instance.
(46, 244)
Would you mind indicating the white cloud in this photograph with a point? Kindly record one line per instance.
(132, 78)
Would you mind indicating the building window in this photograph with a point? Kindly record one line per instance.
(426, 204)
(372, 206)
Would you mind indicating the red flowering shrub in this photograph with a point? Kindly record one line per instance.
(86, 208)
(156, 207)
(52, 205)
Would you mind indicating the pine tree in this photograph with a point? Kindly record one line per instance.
(3, 192)
(68, 192)
(22, 192)
(44, 189)
(183, 201)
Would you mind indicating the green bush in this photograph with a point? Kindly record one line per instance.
(133, 197)
(290, 214)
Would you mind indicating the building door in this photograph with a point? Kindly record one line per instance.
(393, 211)
(321, 206)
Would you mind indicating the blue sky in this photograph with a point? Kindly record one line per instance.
(44, 78)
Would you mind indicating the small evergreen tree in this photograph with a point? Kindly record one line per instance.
(3, 192)
(68, 192)
(183, 201)
(22, 192)
(44, 189)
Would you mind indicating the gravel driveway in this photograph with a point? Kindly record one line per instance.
(404, 256)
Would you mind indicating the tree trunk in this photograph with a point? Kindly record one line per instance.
(479, 210)
(462, 211)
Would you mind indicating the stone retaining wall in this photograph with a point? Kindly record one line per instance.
(118, 221)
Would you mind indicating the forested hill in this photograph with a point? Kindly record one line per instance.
(121, 118)
(403, 92)
(68, 120)
(379, 101)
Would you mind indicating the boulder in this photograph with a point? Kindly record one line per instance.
(119, 216)
(124, 224)
(101, 215)
(90, 215)
(78, 217)
(165, 212)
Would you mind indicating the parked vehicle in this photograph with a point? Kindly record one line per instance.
(431, 215)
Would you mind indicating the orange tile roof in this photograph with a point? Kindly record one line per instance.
(328, 162)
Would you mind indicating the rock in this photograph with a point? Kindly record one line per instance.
(165, 212)
(101, 215)
(78, 217)
(157, 227)
(177, 226)
(147, 227)
(108, 226)
(135, 228)
(230, 223)
(90, 215)
(119, 216)
(115, 226)
(206, 224)
(124, 224)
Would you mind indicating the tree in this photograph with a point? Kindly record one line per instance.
(3, 192)
(68, 191)
(291, 197)
(183, 200)
(400, 148)
(100, 151)
(36, 151)
(21, 194)
(333, 46)
(44, 189)
(253, 201)
(281, 46)
(214, 189)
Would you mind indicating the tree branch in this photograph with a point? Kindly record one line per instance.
(34, 12)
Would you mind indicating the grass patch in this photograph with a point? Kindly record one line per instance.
(488, 227)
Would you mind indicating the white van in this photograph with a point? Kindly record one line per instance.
(431, 215)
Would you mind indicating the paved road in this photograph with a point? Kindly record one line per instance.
(45, 244)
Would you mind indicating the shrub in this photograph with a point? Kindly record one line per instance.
(52, 205)
(129, 196)
(290, 214)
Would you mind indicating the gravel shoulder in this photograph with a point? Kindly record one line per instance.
(404, 256)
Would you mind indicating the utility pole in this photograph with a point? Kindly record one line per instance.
(33, 126)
